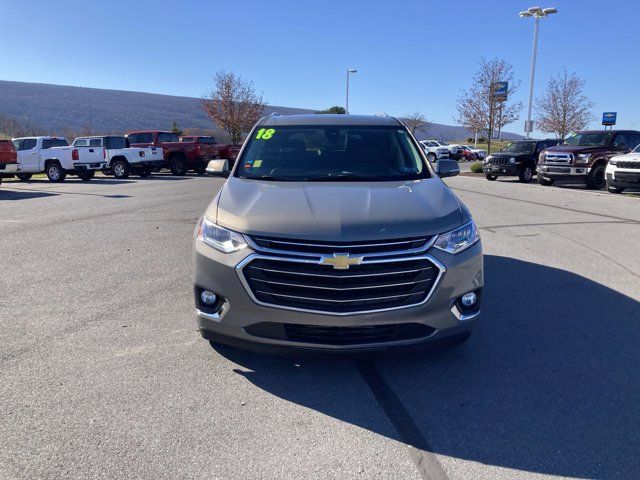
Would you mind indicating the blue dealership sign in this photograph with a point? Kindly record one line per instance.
(609, 118)
(499, 91)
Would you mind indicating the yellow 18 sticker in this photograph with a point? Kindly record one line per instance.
(265, 134)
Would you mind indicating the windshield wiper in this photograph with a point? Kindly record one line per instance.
(268, 177)
(344, 177)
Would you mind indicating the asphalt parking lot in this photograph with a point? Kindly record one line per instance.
(103, 373)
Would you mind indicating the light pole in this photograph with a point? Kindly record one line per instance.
(349, 72)
(537, 13)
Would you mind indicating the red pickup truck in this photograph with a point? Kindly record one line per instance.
(180, 157)
(218, 150)
(8, 160)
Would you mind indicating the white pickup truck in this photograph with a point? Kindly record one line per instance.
(123, 159)
(54, 156)
(434, 150)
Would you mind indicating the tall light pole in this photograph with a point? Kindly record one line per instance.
(349, 72)
(537, 13)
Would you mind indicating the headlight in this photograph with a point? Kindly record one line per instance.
(583, 158)
(613, 161)
(221, 239)
(459, 239)
(512, 160)
(541, 156)
(487, 158)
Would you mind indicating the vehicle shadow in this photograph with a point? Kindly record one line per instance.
(549, 383)
(15, 195)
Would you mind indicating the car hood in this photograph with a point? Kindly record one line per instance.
(345, 211)
(574, 149)
(509, 155)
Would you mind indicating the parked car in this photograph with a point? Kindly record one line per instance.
(121, 158)
(8, 160)
(54, 156)
(179, 157)
(322, 273)
(623, 171)
(480, 153)
(584, 156)
(468, 154)
(456, 151)
(218, 150)
(434, 151)
(517, 158)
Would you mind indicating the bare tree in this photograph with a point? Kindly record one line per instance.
(477, 111)
(233, 104)
(12, 127)
(416, 121)
(564, 108)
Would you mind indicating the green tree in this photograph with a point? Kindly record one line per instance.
(176, 129)
(336, 110)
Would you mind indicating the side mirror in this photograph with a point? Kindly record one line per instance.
(218, 167)
(447, 168)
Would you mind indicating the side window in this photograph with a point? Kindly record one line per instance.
(81, 142)
(141, 138)
(117, 142)
(167, 137)
(29, 144)
(95, 142)
(634, 140)
(621, 141)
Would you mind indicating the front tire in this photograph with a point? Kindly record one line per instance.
(525, 175)
(178, 166)
(596, 179)
(544, 182)
(612, 189)
(55, 173)
(120, 169)
(490, 177)
(24, 177)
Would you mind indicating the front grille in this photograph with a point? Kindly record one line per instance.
(296, 247)
(559, 158)
(628, 164)
(340, 336)
(500, 161)
(310, 286)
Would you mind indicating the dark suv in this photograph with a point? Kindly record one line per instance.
(583, 157)
(518, 158)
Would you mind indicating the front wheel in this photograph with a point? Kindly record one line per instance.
(596, 179)
(24, 177)
(120, 169)
(544, 182)
(490, 177)
(87, 176)
(525, 174)
(178, 166)
(612, 189)
(55, 173)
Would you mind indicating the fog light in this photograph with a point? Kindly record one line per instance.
(210, 298)
(468, 299)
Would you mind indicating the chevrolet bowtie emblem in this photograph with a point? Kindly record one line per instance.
(341, 261)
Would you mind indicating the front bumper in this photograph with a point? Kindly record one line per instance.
(440, 314)
(566, 173)
(624, 178)
(501, 170)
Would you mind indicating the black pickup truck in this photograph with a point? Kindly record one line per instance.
(518, 158)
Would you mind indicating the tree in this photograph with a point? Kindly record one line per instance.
(416, 121)
(233, 104)
(477, 111)
(12, 127)
(176, 129)
(564, 108)
(336, 110)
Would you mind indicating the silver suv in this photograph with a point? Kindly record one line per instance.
(335, 232)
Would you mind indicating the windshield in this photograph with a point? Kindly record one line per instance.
(520, 147)
(331, 153)
(589, 139)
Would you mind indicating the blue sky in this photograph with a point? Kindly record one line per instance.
(410, 55)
